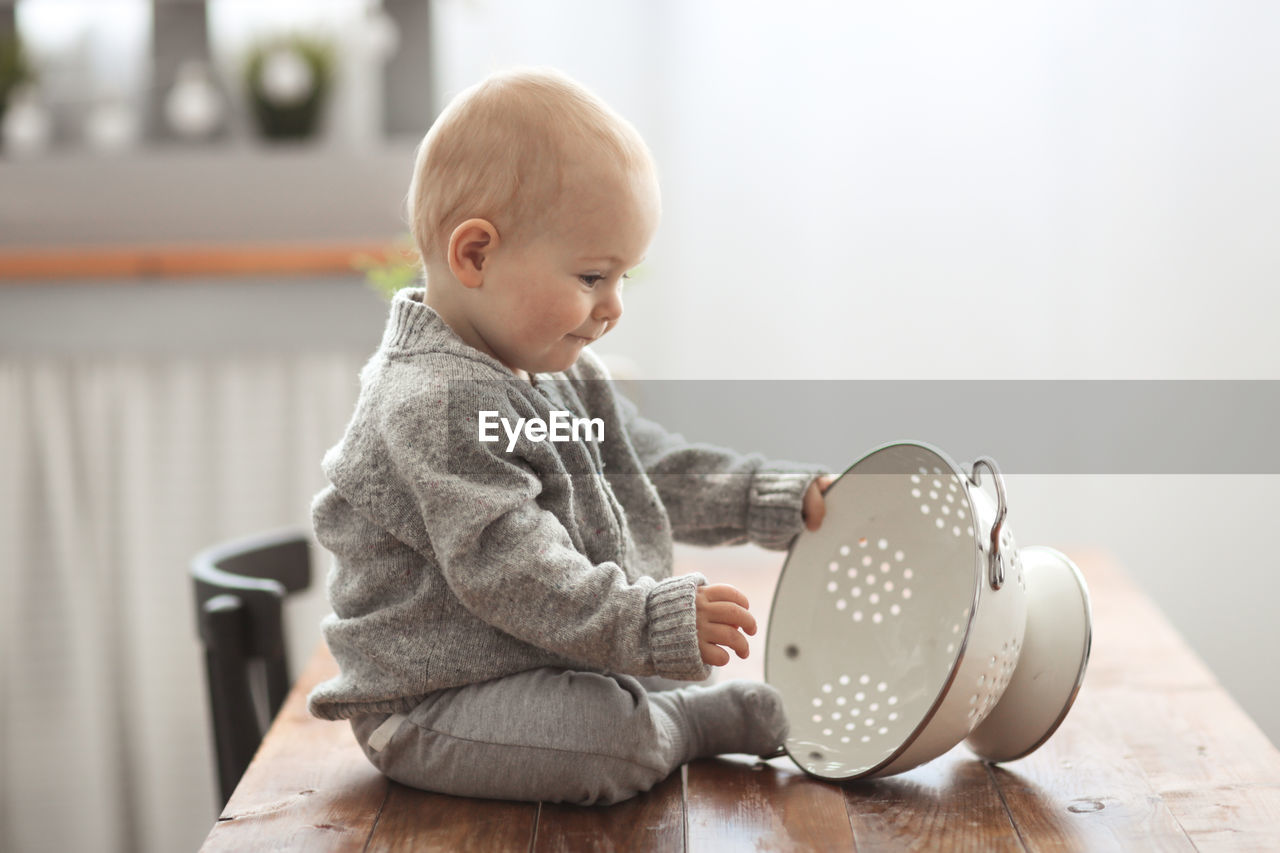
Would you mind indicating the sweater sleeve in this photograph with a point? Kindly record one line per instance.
(512, 563)
(715, 496)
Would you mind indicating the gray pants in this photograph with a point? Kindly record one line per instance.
(547, 734)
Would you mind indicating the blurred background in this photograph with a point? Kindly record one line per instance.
(199, 202)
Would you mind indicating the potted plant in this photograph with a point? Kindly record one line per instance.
(14, 68)
(289, 78)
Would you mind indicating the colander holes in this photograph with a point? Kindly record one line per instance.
(874, 598)
(877, 617)
(873, 707)
(844, 739)
(835, 715)
(882, 686)
(817, 718)
(849, 726)
(951, 498)
(907, 574)
(893, 715)
(924, 508)
(884, 567)
(826, 688)
(856, 592)
(959, 512)
(866, 738)
(906, 592)
(955, 629)
(857, 616)
(862, 542)
(866, 561)
(982, 678)
(844, 550)
(833, 566)
(992, 662)
(883, 730)
(831, 586)
(968, 531)
(893, 700)
(956, 530)
(951, 647)
(915, 493)
(869, 721)
(939, 523)
(899, 556)
(866, 679)
(973, 700)
(817, 703)
(883, 543)
(840, 700)
(933, 494)
(946, 510)
(853, 712)
(915, 478)
(841, 604)
(895, 609)
(859, 696)
(853, 574)
(827, 732)
(844, 679)
(888, 586)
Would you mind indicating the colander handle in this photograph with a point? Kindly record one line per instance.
(995, 558)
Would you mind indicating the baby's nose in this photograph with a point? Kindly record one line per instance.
(609, 306)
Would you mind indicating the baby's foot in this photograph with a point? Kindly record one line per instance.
(737, 716)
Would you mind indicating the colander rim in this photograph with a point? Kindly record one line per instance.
(957, 659)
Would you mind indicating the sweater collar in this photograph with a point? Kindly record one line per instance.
(415, 327)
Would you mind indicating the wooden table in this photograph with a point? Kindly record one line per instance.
(1154, 755)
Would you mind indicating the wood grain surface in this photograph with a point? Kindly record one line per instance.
(1154, 756)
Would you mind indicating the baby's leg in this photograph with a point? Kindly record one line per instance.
(564, 736)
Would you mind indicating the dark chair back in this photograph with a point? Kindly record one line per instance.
(240, 588)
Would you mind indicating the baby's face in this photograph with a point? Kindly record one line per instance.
(557, 289)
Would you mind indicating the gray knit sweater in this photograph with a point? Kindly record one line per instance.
(458, 561)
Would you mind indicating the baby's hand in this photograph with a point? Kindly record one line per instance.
(814, 506)
(722, 611)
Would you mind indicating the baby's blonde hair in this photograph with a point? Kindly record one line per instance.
(500, 149)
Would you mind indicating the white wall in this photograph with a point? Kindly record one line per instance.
(963, 191)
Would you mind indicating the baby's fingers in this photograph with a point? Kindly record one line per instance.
(724, 635)
(727, 613)
(724, 592)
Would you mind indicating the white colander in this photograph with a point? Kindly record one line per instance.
(897, 626)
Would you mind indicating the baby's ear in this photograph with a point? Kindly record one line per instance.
(469, 247)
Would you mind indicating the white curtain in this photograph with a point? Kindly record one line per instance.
(113, 472)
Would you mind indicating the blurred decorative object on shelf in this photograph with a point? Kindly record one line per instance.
(289, 79)
(112, 124)
(194, 107)
(15, 70)
(381, 34)
(397, 268)
(26, 128)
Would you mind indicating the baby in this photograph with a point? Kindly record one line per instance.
(505, 617)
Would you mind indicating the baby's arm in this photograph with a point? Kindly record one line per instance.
(716, 496)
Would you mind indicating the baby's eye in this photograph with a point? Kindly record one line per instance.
(591, 279)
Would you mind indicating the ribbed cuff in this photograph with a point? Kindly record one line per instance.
(775, 502)
(673, 628)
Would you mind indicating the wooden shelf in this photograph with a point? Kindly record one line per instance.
(188, 260)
